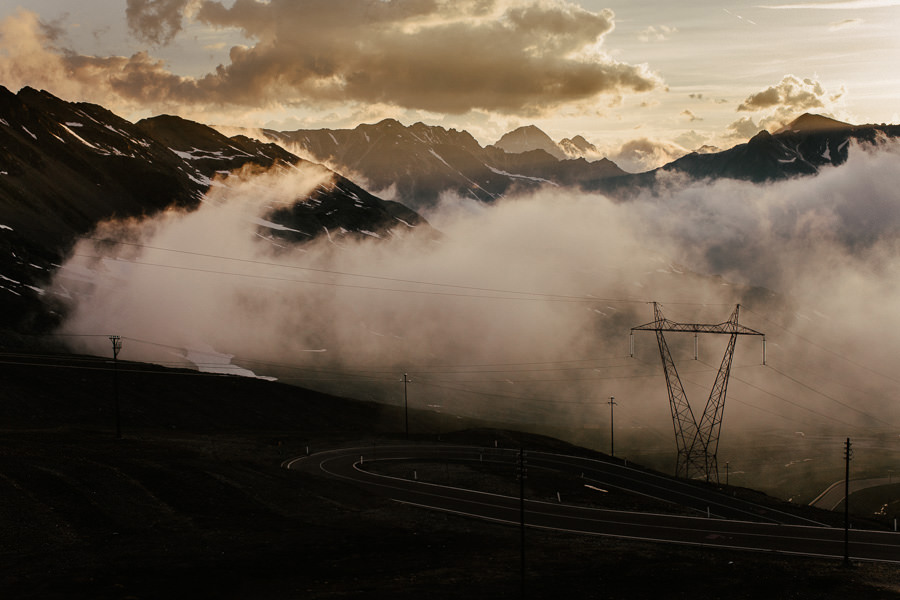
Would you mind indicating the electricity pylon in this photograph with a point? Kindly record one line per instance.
(697, 441)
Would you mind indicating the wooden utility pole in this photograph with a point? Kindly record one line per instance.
(848, 454)
(406, 404)
(612, 447)
(116, 346)
(522, 472)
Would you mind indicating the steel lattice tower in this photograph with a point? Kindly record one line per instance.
(697, 441)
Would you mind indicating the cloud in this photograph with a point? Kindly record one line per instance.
(700, 96)
(281, 305)
(690, 116)
(29, 56)
(156, 21)
(739, 17)
(826, 248)
(846, 24)
(644, 154)
(504, 56)
(743, 129)
(445, 57)
(848, 5)
(791, 93)
(654, 33)
(774, 231)
(780, 104)
(691, 139)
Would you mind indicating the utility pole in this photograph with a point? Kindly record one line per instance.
(116, 346)
(521, 474)
(406, 404)
(726, 472)
(848, 454)
(612, 448)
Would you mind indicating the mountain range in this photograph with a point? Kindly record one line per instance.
(417, 164)
(803, 147)
(66, 166)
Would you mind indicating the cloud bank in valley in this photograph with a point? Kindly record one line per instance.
(507, 56)
(522, 310)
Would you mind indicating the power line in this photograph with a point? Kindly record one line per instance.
(419, 369)
(524, 296)
(536, 296)
(436, 369)
(759, 408)
(756, 387)
(434, 383)
(826, 350)
(370, 374)
(819, 376)
(349, 274)
(503, 396)
(791, 402)
(833, 399)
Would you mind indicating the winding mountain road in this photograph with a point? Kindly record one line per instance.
(732, 523)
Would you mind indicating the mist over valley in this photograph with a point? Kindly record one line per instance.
(513, 309)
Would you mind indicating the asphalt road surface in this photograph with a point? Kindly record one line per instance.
(833, 497)
(732, 523)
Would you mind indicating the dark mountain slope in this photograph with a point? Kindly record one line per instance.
(65, 166)
(209, 151)
(417, 163)
(338, 208)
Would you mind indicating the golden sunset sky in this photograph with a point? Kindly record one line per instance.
(652, 76)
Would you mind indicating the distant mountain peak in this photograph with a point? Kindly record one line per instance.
(527, 138)
(386, 123)
(578, 147)
(808, 122)
(707, 149)
(580, 142)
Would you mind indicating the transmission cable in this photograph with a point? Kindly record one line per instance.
(826, 350)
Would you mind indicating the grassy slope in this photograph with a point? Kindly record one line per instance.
(192, 503)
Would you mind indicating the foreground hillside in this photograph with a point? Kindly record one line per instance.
(192, 502)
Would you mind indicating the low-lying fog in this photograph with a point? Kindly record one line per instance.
(521, 312)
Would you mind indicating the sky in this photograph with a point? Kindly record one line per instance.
(645, 77)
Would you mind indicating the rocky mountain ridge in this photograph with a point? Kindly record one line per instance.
(417, 164)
